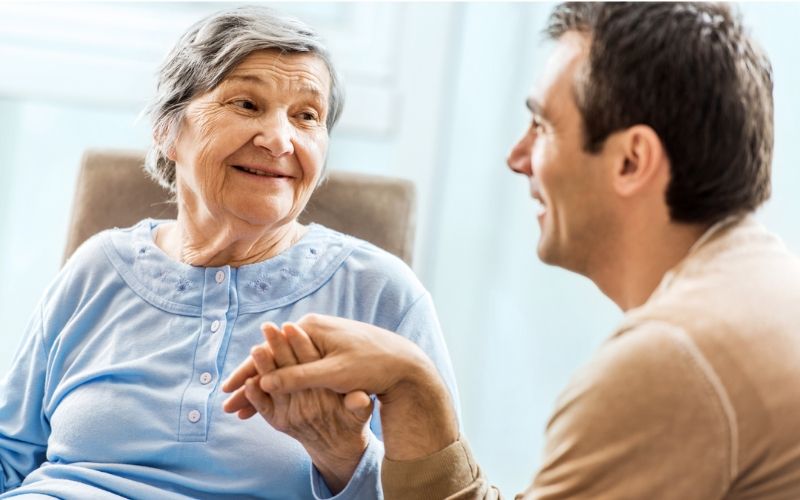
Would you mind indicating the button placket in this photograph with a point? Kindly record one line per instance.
(196, 400)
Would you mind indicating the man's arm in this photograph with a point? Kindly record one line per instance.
(451, 473)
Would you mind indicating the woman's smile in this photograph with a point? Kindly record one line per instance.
(263, 172)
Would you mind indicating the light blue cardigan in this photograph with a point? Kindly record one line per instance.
(115, 389)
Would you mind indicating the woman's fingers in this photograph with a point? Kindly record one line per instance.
(359, 404)
(246, 413)
(302, 346)
(281, 350)
(257, 388)
(263, 359)
(259, 362)
(260, 400)
(265, 363)
(236, 401)
(243, 372)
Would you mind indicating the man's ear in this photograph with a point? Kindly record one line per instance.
(642, 162)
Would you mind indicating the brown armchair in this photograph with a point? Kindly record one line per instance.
(114, 191)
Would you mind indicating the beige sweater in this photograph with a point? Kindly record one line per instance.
(695, 396)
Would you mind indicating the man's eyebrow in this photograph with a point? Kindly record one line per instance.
(535, 107)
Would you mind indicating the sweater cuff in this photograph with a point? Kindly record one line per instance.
(440, 475)
(365, 480)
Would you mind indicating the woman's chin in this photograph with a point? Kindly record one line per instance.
(266, 219)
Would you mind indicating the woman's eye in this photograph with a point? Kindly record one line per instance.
(308, 116)
(245, 104)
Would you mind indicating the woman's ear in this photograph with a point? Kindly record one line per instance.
(170, 152)
(642, 163)
(165, 142)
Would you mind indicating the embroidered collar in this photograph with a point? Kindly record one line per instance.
(179, 288)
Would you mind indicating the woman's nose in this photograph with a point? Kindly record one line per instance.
(519, 159)
(275, 135)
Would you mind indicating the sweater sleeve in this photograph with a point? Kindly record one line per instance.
(647, 415)
(24, 428)
(451, 473)
(364, 484)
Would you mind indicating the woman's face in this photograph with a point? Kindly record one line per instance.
(252, 149)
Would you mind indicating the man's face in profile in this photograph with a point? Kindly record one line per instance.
(571, 185)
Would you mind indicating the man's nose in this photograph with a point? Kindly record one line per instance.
(275, 135)
(519, 159)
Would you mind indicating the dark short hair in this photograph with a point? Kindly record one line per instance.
(692, 73)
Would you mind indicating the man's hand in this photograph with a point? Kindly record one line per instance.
(333, 436)
(417, 415)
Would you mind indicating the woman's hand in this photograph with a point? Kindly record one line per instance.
(333, 435)
(417, 414)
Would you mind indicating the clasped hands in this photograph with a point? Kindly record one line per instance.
(331, 427)
(310, 379)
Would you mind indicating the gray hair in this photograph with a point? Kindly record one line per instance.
(206, 53)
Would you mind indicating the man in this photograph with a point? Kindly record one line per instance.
(649, 148)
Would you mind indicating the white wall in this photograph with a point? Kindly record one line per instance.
(435, 94)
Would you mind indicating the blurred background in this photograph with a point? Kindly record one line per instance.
(435, 94)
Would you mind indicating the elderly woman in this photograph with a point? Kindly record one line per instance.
(115, 391)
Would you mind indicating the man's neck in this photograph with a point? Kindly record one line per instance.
(641, 259)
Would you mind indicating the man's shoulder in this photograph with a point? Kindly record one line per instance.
(640, 357)
(639, 375)
(742, 281)
(640, 413)
(744, 263)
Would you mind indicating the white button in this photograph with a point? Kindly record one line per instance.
(215, 326)
(205, 378)
(194, 416)
(220, 277)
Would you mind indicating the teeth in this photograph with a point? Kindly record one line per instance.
(540, 207)
(258, 172)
